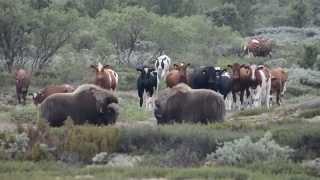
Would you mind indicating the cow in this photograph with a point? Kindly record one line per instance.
(23, 78)
(181, 103)
(162, 65)
(88, 103)
(260, 86)
(214, 78)
(177, 75)
(258, 47)
(147, 82)
(241, 79)
(105, 76)
(41, 95)
(279, 80)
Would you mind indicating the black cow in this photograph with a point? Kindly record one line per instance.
(147, 81)
(213, 78)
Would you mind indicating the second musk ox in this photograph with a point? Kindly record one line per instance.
(88, 103)
(41, 95)
(181, 103)
(22, 84)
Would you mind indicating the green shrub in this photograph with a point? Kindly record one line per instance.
(27, 113)
(310, 113)
(86, 141)
(245, 151)
(303, 137)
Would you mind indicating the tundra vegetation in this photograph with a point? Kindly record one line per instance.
(58, 40)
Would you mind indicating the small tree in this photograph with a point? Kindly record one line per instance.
(299, 13)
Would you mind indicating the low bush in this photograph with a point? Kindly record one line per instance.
(310, 113)
(244, 151)
(253, 112)
(303, 137)
(23, 114)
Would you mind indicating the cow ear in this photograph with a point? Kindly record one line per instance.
(188, 64)
(175, 66)
(139, 69)
(93, 67)
(229, 66)
(107, 66)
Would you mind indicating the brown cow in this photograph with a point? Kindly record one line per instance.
(181, 103)
(105, 76)
(41, 95)
(88, 103)
(241, 75)
(258, 47)
(177, 75)
(278, 83)
(23, 78)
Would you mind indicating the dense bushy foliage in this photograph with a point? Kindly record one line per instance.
(245, 151)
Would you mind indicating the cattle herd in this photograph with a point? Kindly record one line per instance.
(193, 94)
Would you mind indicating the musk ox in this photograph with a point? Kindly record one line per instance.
(41, 95)
(22, 84)
(88, 103)
(181, 103)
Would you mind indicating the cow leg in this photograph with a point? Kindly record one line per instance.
(140, 93)
(257, 97)
(18, 96)
(278, 98)
(228, 101)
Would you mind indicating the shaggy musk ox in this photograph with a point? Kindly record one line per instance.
(181, 103)
(88, 103)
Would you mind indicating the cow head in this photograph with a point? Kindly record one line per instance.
(100, 73)
(240, 72)
(37, 97)
(181, 66)
(147, 72)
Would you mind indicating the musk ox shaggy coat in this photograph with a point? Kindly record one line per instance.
(181, 103)
(88, 103)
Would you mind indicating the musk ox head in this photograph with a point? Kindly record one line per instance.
(167, 103)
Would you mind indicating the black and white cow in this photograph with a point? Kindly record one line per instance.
(213, 78)
(147, 82)
(162, 66)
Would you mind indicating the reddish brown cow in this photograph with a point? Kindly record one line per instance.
(278, 83)
(240, 76)
(177, 75)
(258, 46)
(105, 76)
(23, 78)
(49, 90)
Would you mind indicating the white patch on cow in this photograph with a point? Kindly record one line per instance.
(255, 41)
(228, 102)
(100, 67)
(146, 70)
(162, 72)
(253, 68)
(226, 74)
(284, 89)
(217, 68)
(34, 95)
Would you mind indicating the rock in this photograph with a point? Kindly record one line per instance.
(123, 160)
(313, 164)
(101, 158)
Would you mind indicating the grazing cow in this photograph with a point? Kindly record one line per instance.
(181, 103)
(241, 79)
(41, 95)
(258, 47)
(88, 103)
(147, 81)
(260, 86)
(177, 75)
(213, 78)
(105, 76)
(162, 65)
(279, 80)
(22, 84)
